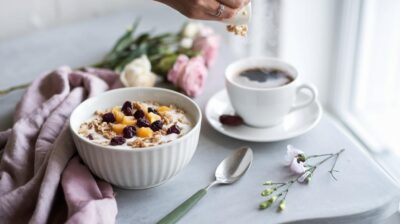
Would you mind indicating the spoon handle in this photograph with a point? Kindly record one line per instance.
(180, 211)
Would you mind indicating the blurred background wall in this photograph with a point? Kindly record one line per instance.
(300, 32)
(18, 17)
(308, 37)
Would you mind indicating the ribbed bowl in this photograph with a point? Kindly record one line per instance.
(142, 167)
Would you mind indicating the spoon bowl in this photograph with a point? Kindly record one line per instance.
(234, 166)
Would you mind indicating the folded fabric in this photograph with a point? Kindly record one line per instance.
(41, 177)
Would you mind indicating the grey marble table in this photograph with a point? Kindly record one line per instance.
(363, 193)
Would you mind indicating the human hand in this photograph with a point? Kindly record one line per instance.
(206, 9)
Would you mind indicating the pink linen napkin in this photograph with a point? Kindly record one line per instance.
(40, 172)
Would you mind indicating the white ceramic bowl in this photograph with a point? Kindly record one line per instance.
(142, 167)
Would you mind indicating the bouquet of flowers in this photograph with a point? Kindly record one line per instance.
(181, 58)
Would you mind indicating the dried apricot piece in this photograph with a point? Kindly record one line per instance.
(152, 117)
(119, 116)
(163, 109)
(144, 132)
(129, 120)
(118, 128)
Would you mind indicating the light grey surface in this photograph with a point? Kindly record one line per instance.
(363, 193)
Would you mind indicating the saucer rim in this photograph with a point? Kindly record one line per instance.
(290, 135)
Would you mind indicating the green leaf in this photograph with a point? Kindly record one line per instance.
(142, 38)
(166, 63)
(189, 52)
(111, 62)
(133, 55)
(126, 40)
(122, 44)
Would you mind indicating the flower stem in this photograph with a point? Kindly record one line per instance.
(330, 156)
(309, 171)
(274, 183)
(286, 193)
(334, 164)
(317, 156)
(13, 88)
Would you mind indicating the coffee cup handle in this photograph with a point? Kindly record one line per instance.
(312, 89)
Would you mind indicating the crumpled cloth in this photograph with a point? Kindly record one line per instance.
(42, 179)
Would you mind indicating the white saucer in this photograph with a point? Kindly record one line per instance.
(295, 123)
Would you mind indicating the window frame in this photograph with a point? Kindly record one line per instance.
(350, 28)
(352, 14)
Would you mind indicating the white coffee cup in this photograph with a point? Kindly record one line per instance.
(267, 106)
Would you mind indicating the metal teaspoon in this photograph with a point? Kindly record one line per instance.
(228, 171)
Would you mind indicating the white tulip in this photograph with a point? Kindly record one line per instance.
(186, 42)
(138, 73)
(191, 29)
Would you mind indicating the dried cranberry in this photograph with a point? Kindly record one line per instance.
(127, 108)
(151, 110)
(108, 117)
(231, 120)
(138, 114)
(156, 125)
(90, 137)
(129, 132)
(174, 129)
(117, 140)
(141, 122)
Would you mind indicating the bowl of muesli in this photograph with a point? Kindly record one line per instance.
(136, 138)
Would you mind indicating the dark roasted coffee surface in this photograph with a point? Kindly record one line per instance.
(263, 77)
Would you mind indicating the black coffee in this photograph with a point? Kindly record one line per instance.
(263, 78)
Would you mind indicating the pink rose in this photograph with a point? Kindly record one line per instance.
(208, 46)
(189, 74)
(177, 69)
(194, 76)
(205, 31)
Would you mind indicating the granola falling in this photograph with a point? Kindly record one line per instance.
(136, 125)
(238, 24)
(240, 30)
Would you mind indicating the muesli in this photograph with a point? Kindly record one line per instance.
(136, 125)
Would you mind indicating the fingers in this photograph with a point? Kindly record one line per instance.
(228, 13)
(211, 8)
(189, 8)
(234, 4)
(205, 9)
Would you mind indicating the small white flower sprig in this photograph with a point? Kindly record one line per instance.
(298, 163)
